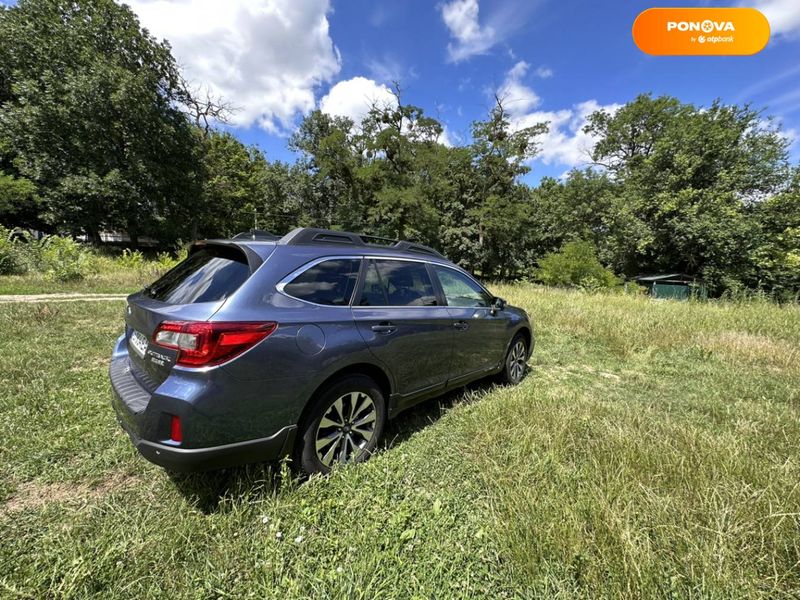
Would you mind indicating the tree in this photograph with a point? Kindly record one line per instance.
(500, 156)
(398, 138)
(688, 177)
(90, 114)
(18, 200)
(231, 176)
(775, 256)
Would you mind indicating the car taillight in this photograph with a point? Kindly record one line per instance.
(202, 344)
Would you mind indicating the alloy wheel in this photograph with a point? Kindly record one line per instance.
(346, 429)
(516, 361)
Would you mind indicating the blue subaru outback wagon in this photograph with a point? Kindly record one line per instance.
(259, 347)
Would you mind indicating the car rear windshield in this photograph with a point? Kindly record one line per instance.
(210, 274)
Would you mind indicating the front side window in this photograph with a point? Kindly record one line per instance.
(397, 283)
(330, 282)
(461, 290)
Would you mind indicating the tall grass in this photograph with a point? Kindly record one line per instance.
(651, 452)
(654, 450)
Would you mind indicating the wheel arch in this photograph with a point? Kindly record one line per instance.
(371, 370)
(527, 334)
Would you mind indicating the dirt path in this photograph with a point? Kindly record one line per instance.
(62, 297)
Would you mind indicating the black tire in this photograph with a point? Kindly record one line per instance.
(341, 414)
(515, 362)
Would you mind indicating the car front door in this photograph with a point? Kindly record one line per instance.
(400, 317)
(480, 332)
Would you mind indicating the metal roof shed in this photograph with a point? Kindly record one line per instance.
(677, 286)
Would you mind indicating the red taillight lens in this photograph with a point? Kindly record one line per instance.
(175, 431)
(202, 344)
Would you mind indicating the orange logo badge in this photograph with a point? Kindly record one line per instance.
(701, 31)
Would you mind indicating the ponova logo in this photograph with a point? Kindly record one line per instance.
(695, 31)
(706, 26)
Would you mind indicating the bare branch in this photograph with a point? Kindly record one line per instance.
(203, 107)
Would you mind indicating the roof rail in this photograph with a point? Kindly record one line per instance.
(256, 234)
(310, 235)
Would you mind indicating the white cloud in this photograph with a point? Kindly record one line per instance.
(461, 18)
(544, 72)
(474, 34)
(517, 98)
(565, 143)
(353, 98)
(783, 15)
(266, 57)
(450, 138)
(791, 135)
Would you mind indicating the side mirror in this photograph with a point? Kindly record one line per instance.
(498, 304)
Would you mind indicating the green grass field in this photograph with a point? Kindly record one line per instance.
(652, 451)
(107, 281)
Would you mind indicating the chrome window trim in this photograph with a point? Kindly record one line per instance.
(362, 257)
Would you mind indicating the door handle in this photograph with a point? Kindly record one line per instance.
(384, 328)
(461, 325)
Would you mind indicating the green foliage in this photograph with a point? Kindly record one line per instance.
(687, 178)
(17, 197)
(145, 269)
(392, 177)
(12, 259)
(575, 265)
(89, 113)
(95, 135)
(233, 178)
(64, 259)
(166, 261)
(130, 259)
(59, 258)
(775, 253)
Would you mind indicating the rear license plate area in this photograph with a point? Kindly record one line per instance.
(138, 343)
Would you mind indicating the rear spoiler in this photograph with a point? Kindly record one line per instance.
(253, 259)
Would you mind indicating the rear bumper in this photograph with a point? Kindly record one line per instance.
(217, 457)
(144, 417)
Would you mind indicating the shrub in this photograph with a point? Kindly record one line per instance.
(575, 265)
(166, 261)
(12, 261)
(65, 259)
(130, 259)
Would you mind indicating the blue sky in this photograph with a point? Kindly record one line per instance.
(551, 60)
(584, 50)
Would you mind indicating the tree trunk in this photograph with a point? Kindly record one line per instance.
(93, 234)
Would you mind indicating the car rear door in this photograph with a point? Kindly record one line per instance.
(480, 333)
(399, 315)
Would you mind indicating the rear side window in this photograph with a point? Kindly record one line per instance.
(397, 283)
(330, 282)
(207, 275)
(460, 290)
